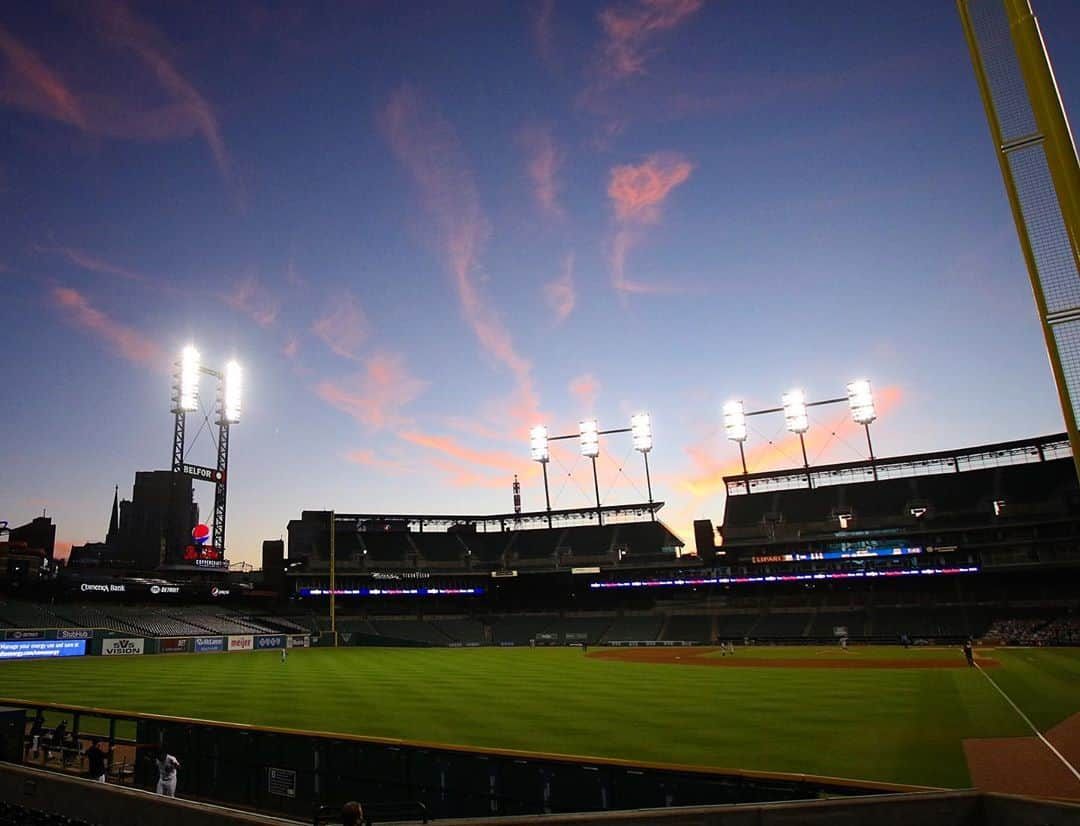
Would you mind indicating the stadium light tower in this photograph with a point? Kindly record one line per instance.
(589, 431)
(735, 430)
(641, 432)
(861, 401)
(540, 452)
(796, 421)
(185, 397)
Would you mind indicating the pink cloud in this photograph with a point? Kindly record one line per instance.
(254, 300)
(28, 83)
(291, 347)
(122, 340)
(83, 259)
(451, 448)
(190, 105)
(31, 85)
(560, 293)
(377, 396)
(344, 328)
(630, 30)
(542, 18)
(427, 145)
(369, 458)
(585, 389)
(543, 161)
(638, 191)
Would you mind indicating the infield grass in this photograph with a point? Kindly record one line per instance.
(902, 725)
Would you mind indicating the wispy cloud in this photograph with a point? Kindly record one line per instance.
(542, 161)
(121, 339)
(291, 347)
(542, 20)
(631, 29)
(560, 293)
(27, 82)
(377, 396)
(638, 193)
(93, 263)
(344, 328)
(451, 448)
(426, 144)
(369, 458)
(250, 297)
(585, 388)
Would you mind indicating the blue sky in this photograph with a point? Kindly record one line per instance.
(424, 227)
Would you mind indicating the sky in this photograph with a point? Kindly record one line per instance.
(424, 227)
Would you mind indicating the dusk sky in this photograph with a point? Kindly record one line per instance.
(424, 227)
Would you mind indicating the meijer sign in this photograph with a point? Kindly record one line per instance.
(244, 642)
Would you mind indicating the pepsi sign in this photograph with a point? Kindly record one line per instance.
(200, 534)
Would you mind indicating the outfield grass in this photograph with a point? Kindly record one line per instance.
(903, 725)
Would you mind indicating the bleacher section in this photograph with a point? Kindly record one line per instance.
(461, 630)
(411, 631)
(689, 628)
(635, 629)
(520, 629)
(30, 615)
(1039, 489)
(12, 814)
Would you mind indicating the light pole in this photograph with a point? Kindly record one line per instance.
(861, 402)
(589, 433)
(860, 399)
(735, 429)
(538, 449)
(641, 431)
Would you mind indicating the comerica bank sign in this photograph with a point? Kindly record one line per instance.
(107, 589)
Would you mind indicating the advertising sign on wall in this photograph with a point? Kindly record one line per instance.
(299, 641)
(203, 644)
(175, 646)
(275, 641)
(242, 642)
(74, 634)
(123, 647)
(33, 649)
(20, 634)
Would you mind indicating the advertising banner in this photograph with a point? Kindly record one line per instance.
(124, 647)
(299, 641)
(242, 642)
(203, 644)
(175, 645)
(33, 649)
(275, 641)
(74, 634)
(20, 634)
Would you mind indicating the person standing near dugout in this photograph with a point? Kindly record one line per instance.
(166, 766)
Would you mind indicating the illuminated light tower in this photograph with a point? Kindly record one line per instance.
(185, 398)
(861, 402)
(539, 452)
(641, 433)
(796, 421)
(589, 432)
(735, 430)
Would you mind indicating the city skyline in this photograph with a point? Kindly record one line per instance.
(422, 233)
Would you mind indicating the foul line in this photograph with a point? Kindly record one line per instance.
(1031, 725)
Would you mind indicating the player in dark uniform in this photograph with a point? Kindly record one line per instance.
(969, 654)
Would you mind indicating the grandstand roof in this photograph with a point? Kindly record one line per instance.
(1022, 451)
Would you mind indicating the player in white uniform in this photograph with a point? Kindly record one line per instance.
(166, 766)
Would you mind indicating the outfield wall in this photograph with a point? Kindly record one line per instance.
(46, 643)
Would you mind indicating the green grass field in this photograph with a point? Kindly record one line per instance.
(897, 725)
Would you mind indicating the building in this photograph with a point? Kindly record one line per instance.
(151, 529)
